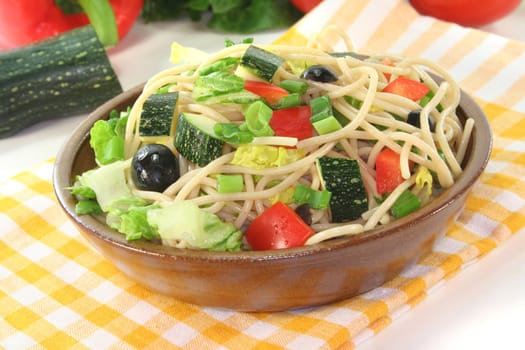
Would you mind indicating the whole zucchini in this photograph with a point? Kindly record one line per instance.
(68, 74)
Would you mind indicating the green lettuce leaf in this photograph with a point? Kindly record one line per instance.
(107, 138)
(129, 217)
(184, 224)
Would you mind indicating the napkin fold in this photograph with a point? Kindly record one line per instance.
(56, 291)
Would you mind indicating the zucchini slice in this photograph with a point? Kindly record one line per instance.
(157, 117)
(342, 177)
(195, 139)
(65, 75)
(259, 63)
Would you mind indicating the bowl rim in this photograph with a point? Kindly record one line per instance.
(480, 151)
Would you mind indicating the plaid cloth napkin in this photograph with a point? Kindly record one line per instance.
(57, 292)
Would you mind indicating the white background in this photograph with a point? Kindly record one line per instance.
(483, 307)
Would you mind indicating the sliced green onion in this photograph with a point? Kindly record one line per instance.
(341, 118)
(315, 199)
(426, 99)
(327, 125)
(229, 183)
(321, 108)
(258, 116)
(405, 204)
(165, 89)
(294, 86)
(302, 194)
(320, 199)
(288, 101)
(354, 102)
(257, 124)
(436, 183)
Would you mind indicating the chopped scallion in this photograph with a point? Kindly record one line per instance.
(405, 204)
(258, 116)
(227, 183)
(321, 108)
(354, 102)
(288, 101)
(326, 125)
(426, 99)
(341, 118)
(294, 86)
(302, 194)
(315, 199)
(320, 199)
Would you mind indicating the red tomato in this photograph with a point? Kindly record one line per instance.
(408, 88)
(388, 171)
(305, 5)
(278, 227)
(271, 93)
(472, 13)
(292, 122)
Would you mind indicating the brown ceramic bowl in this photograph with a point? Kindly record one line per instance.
(271, 280)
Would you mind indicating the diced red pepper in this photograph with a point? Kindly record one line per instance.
(388, 171)
(292, 122)
(388, 62)
(278, 227)
(271, 93)
(408, 88)
(26, 21)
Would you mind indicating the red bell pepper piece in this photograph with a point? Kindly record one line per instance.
(388, 171)
(388, 62)
(271, 93)
(278, 227)
(292, 122)
(408, 88)
(26, 21)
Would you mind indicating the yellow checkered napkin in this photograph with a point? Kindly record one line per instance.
(57, 292)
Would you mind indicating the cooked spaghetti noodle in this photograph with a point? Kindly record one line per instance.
(379, 122)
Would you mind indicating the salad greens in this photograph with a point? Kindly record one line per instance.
(107, 182)
(222, 87)
(184, 222)
(257, 123)
(262, 131)
(104, 190)
(232, 133)
(234, 16)
(264, 156)
(314, 198)
(128, 216)
(107, 137)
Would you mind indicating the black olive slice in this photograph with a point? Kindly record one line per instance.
(319, 73)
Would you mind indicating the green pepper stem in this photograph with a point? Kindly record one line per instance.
(102, 18)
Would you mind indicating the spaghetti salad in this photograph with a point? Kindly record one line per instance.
(274, 146)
